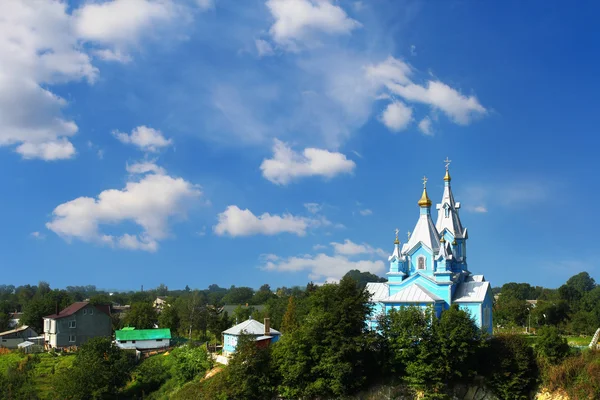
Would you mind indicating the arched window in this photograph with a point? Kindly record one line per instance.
(421, 262)
(446, 210)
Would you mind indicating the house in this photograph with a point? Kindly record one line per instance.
(160, 303)
(430, 269)
(143, 339)
(11, 339)
(263, 334)
(76, 324)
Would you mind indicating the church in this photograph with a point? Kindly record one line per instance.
(430, 269)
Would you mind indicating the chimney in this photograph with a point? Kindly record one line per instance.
(57, 308)
(267, 327)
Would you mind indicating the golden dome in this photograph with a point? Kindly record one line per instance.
(442, 240)
(424, 201)
(396, 241)
(447, 176)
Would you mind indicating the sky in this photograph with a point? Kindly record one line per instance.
(195, 142)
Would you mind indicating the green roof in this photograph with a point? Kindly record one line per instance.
(143, 334)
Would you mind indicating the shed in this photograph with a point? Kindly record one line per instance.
(11, 339)
(143, 339)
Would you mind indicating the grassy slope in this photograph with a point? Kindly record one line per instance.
(44, 371)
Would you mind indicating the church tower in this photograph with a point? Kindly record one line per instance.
(448, 222)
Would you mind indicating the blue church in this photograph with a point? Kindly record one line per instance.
(430, 269)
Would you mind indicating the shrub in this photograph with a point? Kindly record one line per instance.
(579, 376)
(190, 361)
(551, 345)
(152, 373)
(509, 366)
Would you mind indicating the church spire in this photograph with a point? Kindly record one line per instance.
(424, 231)
(448, 218)
(424, 201)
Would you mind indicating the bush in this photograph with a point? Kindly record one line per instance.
(190, 362)
(579, 376)
(510, 367)
(152, 373)
(551, 345)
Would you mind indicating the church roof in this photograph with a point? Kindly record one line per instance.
(471, 292)
(424, 232)
(378, 290)
(450, 220)
(413, 294)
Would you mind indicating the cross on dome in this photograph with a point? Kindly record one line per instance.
(447, 161)
(424, 182)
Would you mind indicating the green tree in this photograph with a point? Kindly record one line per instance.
(551, 345)
(152, 373)
(249, 371)
(238, 295)
(17, 380)
(509, 367)
(141, 315)
(290, 318)
(169, 317)
(44, 304)
(190, 362)
(263, 295)
(582, 282)
(100, 370)
(364, 277)
(329, 354)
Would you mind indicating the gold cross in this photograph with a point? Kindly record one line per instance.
(424, 182)
(447, 161)
(397, 232)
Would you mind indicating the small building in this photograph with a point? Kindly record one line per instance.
(77, 324)
(262, 333)
(11, 339)
(160, 303)
(143, 339)
(30, 347)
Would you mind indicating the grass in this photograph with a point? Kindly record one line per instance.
(48, 366)
(9, 358)
(579, 340)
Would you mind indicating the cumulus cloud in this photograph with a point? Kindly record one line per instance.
(38, 235)
(288, 165)
(146, 139)
(321, 267)
(366, 212)
(396, 116)
(263, 47)
(313, 208)
(425, 126)
(396, 76)
(300, 20)
(349, 248)
(237, 222)
(150, 202)
(144, 167)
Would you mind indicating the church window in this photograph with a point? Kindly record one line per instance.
(421, 262)
(446, 210)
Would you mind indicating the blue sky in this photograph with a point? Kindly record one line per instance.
(281, 141)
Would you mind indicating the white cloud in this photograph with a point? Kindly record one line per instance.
(237, 222)
(38, 235)
(145, 167)
(263, 47)
(300, 20)
(147, 139)
(313, 208)
(513, 194)
(477, 209)
(366, 212)
(120, 21)
(287, 165)
(349, 248)
(322, 266)
(395, 75)
(205, 4)
(396, 116)
(425, 126)
(112, 55)
(149, 202)
(49, 151)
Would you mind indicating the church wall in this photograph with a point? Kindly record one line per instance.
(474, 310)
(488, 304)
(414, 260)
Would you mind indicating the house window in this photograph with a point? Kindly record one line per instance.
(72, 324)
(159, 340)
(133, 341)
(84, 312)
(72, 338)
(421, 262)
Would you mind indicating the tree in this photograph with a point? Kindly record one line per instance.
(249, 371)
(100, 370)
(141, 315)
(190, 362)
(169, 318)
(582, 282)
(290, 318)
(364, 277)
(263, 295)
(42, 305)
(328, 355)
(17, 380)
(551, 345)
(238, 295)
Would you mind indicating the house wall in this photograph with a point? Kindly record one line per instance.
(143, 344)
(87, 326)
(230, 342)
(12, 340)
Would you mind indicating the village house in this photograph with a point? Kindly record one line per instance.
(76, 324)
(12, 338)
(263, 334)
(143, 339)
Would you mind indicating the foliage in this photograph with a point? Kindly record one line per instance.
(152, 373)
(290, 318)
(168, 317)
(190, 362)
(363, 277)
(16, 381)
(578, 375)
(249, 371)
(141, 315)
(238, 295)
(100, 369)
(509, 367)
(551, 345)
(44, 302)
(327, 355)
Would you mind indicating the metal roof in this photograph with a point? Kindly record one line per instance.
(16, 330)
(471, 292)
(143, 334)
(425, 232)
(378, 290)
(413, 294)
(250, 327)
